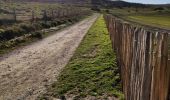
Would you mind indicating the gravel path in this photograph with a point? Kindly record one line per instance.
(25, 73)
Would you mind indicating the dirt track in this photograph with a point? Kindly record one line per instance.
(25, 73)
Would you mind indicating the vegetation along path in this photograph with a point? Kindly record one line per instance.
(25, 73)
(92, 73)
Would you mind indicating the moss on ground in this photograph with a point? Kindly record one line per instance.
(92, 71)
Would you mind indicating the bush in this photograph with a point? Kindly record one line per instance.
(38, 26)
(70, 20)
(18, 41)
(3, 45)
(20, 30)
(107, 11)
(46, 25)
(8, 34)
(95, 8)
(1, 34)
(60, 22)
(53, 24)
(28, 28)
(12, 33)
(37, 35)
(159, 8)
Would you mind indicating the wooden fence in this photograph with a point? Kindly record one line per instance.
(33, 15)
(142, 55)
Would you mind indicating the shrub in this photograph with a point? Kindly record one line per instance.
(38, 26)
(159, 8)
(3, 45)
(70, 20)
(46, 24)
(18, 41)
(60, 22)
(96, 8)
(37, 35)
(28, 28)
(107, 11)
(12, 32)
(8, 34)
(1, 34)
(54, 24)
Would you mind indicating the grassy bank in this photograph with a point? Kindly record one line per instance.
(162, 21)
(92, 71)
(145, 16)
(23, 34)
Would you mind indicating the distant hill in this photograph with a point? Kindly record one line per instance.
(103, 3)
(116, 3)
(106, 3)
(49, 1)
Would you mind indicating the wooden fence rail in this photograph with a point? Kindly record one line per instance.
(33, 15)
(142, 55)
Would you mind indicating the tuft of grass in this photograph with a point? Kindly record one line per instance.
(92, 71)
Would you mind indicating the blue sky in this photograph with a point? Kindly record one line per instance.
(150, 1)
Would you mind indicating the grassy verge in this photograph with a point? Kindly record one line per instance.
(92, 71)
(153, 20)
(144, 16)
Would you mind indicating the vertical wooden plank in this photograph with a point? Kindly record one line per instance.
(143, 59)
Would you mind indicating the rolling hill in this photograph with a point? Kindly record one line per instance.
(106, 3)
(103, 3)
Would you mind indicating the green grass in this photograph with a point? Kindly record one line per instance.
(153, 20)
(92, 71)
(145, 16)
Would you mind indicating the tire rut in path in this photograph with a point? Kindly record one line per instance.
(25, 73)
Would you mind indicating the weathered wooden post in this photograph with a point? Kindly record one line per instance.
(14, 14)
(45, 16)
(144, 60)
(63, 13)
(33, 16)
(68, 12)
(52, 14)
(59, 13)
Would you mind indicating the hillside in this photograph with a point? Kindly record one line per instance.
(50, 1)
(116, 3)
(105, 3)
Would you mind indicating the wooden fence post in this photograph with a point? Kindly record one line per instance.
(52, 14)
(143, 58)
(58, 13)
(33, 16)
(45, 16)
(14, 14)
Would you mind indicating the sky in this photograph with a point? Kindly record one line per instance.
(150, 1)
